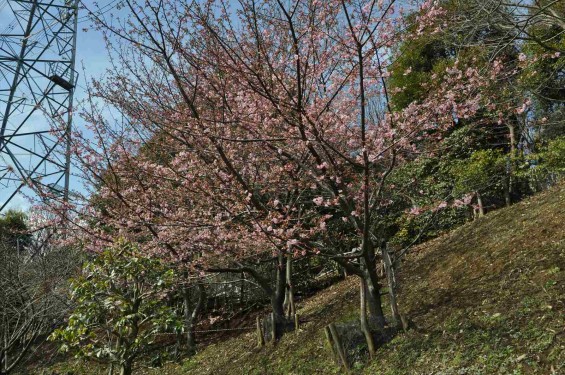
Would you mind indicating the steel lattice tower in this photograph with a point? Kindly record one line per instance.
(37, 81)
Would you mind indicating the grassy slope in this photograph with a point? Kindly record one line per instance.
(487, 298)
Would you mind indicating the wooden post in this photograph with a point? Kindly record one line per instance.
(480, 204)
(289, 296)
(330, 341)
(339, 347)
(391, 285)
(405, 323)
(260, 338)
(296, 322)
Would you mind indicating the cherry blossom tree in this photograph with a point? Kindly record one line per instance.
(318, 71)
(242, 134)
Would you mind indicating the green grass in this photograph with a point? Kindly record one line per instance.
(487, 298)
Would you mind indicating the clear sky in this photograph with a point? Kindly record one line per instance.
(91, 52)
(91, 59)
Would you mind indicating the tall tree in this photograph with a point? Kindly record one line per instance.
(272, 122)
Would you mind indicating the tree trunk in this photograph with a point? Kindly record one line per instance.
(278, 295)
(510, 165)
(190, 340)
(190, 316)
(363, 318)
(289, 295)
(374, 302)
(367, 271)
(126, 367)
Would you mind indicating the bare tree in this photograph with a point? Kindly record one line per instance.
(31, 303)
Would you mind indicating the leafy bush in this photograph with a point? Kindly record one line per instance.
(546, 166)
(119, 307)
(482, 172)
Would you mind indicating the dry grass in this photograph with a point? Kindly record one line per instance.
(486, 298)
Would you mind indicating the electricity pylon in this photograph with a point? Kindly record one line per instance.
(37, 82)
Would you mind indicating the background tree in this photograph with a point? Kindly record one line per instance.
(32, 299)
(14, 229)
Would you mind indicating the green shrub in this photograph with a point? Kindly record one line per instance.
(119, 307)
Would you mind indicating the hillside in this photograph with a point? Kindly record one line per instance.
(488, 297)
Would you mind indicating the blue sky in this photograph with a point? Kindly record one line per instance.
(91, 51)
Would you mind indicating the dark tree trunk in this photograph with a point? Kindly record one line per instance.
(278, 295)
(368, 273)
(290, 308)
(275, 293)
(510, 165)
(374, 302)
(277, 307)
(190, 316)
(363, 318)
(190, 342)
(126, 367)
